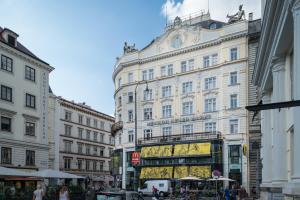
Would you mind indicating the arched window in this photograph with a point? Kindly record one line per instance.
(213, 26)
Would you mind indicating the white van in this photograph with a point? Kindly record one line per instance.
(163, 187)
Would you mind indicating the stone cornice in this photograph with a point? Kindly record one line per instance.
(180, 51)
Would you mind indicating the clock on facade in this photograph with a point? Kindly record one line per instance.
(177, 41)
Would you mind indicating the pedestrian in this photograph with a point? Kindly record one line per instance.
(64, 193)
(39, 193)
(233, 193)
(227, 193)
(253, 192)
(243, 193)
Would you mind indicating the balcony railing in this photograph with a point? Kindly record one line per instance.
(180, 138)
(116, 126)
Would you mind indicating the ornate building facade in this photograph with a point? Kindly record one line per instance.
(191, 86)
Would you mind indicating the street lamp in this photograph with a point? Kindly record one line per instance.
(135, 131)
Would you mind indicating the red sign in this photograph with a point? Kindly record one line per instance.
(135, 158)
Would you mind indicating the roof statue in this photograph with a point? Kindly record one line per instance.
(237, 16)
(129, 49)
(177, 21)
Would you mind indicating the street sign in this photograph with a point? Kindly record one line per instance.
(135, 158)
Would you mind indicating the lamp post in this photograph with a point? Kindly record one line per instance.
(135, 130)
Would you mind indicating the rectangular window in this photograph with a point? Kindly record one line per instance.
(233, 101)
(79, 162)
(68, 116)
(187, 129)
(167, 111)
(6, 93)
(144, 75)
(29, 128)
(80, 119)
(120, 101)
(6, 155)
(88, 150)
(163, 71)
(148, 95)
(67, 163)
(233, 78)
(88, 134)
(206, 61)
(79, 146)
(210, 127)
(101, 137)
(101, 166)
(6, 63)
(119, 82)
(110, 151)
(130, 97)
(95, 136)
(234, 154)
(187, 108)
(101, 151)
(88, 121)
(183, 66)
(214, 59)
(5, 124)
(166, 91)
(130, 77)
(95, 123)
(130, 136)
(210, 83)
(68, 129)
(30, 100)
(30, 158)
(95, 150)
(29, 73)
(147, 113)
(130, 115)
(87, 165)
(191, 64)
(233, 54)
(111, 140)
(11, 40)
(80, 133)
(151, 74)
(94, 165)
(167, 131)
(68, 146)
(234, 125)
(187, 87)
(147, 134)
(102, 124)
(210, 105)
(170, 70)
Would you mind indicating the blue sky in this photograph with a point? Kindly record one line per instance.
(82, 38)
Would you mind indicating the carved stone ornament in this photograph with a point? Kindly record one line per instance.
(129, 49)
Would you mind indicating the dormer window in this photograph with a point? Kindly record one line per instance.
(213, 26)
(11, 40)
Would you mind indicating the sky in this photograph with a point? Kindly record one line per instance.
(82, 38)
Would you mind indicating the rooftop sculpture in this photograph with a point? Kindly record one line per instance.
(237, 16)
(129, 49)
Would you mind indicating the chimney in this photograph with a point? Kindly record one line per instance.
(250, 17)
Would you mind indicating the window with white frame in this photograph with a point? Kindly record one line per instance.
(79, 148)
(187, 87)
(68, 146)
(167, 111)
(167, 131)
(183, 66)
(233, 78)
(29, 128)
(187, 129)
(210, 83)
(68, 130)
(210, 105)
(166, 91)
(163, 71)
(233, 54)
(151, 74)
(191, 64)
(187, 108)
(130, 136)
(148, 95)
(80, 119)
(130, 115)
(234, 125)
(147, 134)
(119, 82)
(88, 150)
(214, 59)
(147, 113)
(170, 70)
(67, 163)
(80, 133)
(6, 124)
(233, 101)
(130, 97)
(206, 61)
(144, 75)
(6, 155)
(120, 101)
(210, 127)
(130, 77)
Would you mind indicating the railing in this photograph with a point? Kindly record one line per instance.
(180, 138)
(116, 126)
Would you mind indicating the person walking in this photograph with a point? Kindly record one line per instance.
(227, 193)
(64, 193)
(39, 193)
(242, 193)
(233, 193)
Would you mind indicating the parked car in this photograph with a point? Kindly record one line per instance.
(163, 187)
(121, 195)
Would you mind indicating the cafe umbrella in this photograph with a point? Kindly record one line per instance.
(221, 178)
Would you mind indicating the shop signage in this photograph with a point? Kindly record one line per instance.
(179, 120)
(135, 158)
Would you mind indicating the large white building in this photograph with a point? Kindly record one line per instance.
(196, 72)
(80, 139)
(24, 82)
(276, 75)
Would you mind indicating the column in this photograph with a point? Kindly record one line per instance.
(296, 92)
(279, 148)
(124, 169)
(266, 151)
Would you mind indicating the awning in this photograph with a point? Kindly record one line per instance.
(49, 173)
(12, 172)
(23, 179)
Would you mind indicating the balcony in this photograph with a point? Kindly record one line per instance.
(116, 126)
(203, 136)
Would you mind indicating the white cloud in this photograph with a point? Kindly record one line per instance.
(218, 8)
